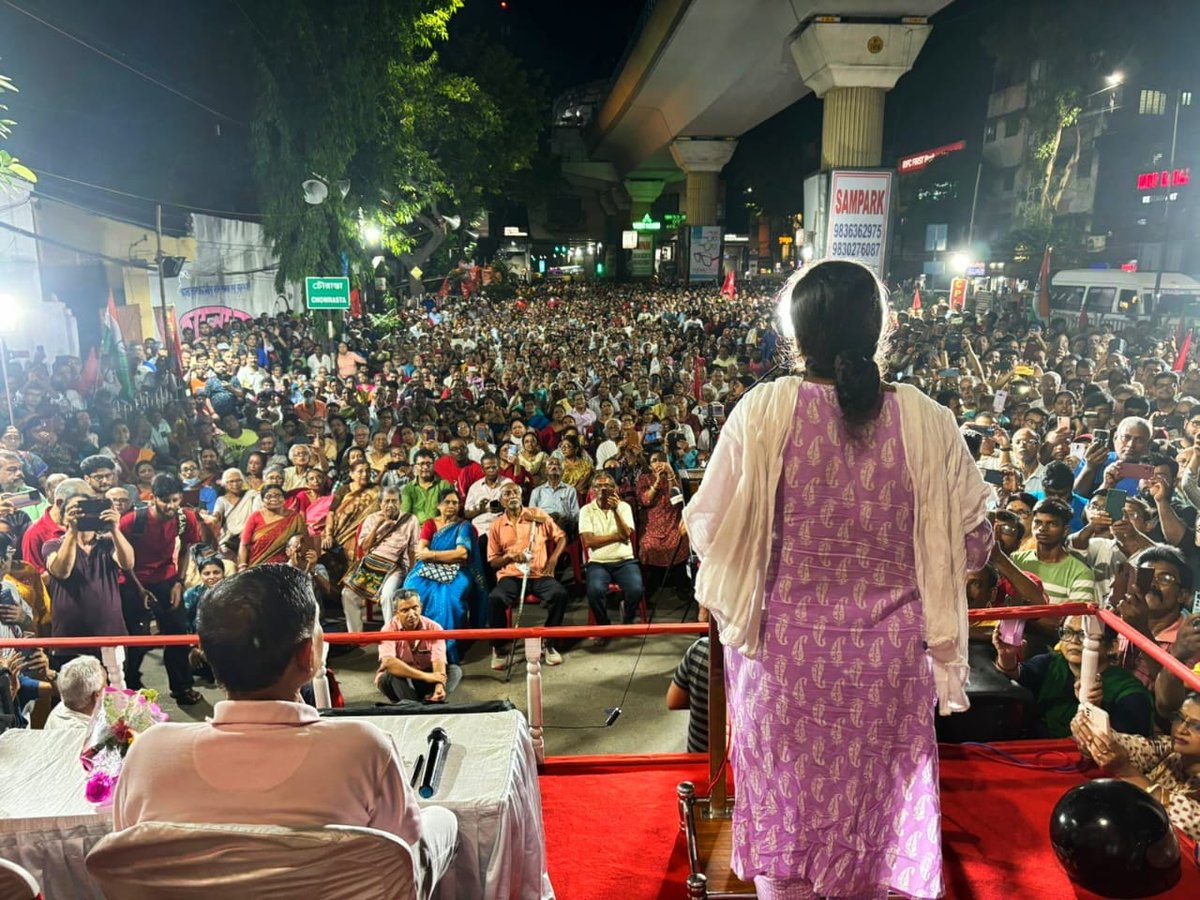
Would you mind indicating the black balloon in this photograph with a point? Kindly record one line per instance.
(1115, 840)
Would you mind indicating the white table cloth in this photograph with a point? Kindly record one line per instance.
(490, 783)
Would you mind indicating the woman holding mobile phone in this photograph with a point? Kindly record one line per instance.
(1167, 766)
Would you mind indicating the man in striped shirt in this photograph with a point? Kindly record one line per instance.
(689, 690)
(1065, 578)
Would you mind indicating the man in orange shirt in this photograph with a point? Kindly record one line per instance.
(310, 407)
(525, 540)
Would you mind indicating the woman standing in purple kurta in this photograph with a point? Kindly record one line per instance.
(836, 522)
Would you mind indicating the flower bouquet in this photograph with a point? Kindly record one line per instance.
(121, 715)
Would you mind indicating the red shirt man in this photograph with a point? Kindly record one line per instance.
(36, 535)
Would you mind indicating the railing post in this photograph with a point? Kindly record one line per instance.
(533, 696)
(718, 795)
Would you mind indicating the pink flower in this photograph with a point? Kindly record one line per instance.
(100, 787)
(120, 731)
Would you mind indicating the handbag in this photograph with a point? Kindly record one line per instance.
(443, 573)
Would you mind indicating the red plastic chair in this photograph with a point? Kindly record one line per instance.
(614, 588)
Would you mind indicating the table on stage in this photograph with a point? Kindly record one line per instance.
(490, 783)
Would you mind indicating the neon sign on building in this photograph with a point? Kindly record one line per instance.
(1148, 181)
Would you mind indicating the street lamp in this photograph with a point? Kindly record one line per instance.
(1114, 79)
(372, 234)
(959, 262)
(1162, 257)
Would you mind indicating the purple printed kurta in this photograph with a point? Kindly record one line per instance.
(833, 747)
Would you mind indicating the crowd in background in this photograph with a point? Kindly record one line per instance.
(418, 467)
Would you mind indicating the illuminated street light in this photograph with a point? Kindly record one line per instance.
(959, 262)
(1114, 79)
(372, 233)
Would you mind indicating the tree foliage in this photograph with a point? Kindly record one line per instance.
(370, 92)
(1065, 50)
(11, 168)
(325, 73)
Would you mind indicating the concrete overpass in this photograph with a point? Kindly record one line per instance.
(700, 73)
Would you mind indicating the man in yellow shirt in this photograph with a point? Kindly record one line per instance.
(606, 530)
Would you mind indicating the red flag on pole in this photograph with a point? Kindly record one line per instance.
(916, 304)
(727, 289)
(1044, 286)
(89, 378)
(1184, 350)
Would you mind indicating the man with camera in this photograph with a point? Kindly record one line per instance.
(83, 568)
(606, 530)
(482, 505)
(160, 535)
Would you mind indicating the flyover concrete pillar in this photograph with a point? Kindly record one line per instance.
(702, 162)
(642, 192)
(852, 65)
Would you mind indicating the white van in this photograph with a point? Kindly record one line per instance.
(1111, 294)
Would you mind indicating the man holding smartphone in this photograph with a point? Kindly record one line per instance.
(1130, 445)
(83, 569)
(19, 505)
(1154, 602)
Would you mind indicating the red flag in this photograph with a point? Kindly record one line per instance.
(916, 304)
(1184, 349)
(356, 305)
(445, 288)
(1083, 319)
(727, 289)
(1044, 286)
(89, 378)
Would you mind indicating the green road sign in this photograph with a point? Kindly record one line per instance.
(327, 293)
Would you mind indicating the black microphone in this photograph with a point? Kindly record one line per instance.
(613, 715)
(439, 749)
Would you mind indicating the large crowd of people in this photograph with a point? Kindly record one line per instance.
(417, 469)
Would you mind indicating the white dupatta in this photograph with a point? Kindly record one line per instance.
(730, 521)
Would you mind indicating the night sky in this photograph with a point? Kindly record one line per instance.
(83, 116)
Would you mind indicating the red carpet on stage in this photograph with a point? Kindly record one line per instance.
(612, 830)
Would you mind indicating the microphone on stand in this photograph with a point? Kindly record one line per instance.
(439, 749)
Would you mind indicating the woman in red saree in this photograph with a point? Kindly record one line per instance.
(268, 530)
(123, 453)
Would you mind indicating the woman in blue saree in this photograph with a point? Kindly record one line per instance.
(449, 571)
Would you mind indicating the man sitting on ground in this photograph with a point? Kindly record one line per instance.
(414, 670)
(261, 633)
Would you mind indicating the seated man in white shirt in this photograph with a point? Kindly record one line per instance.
(265, 758)
(80, 684)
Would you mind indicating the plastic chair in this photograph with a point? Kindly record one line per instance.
(16, 883)
(169, 861)
(614, 588)
(530, 600)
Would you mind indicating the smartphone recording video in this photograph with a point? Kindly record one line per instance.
(92, 509)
